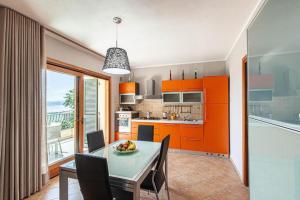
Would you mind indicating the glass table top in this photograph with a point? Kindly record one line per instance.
(126, 166)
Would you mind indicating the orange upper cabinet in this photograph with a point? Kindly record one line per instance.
(215, 89)
(130, 87)
(171, 86)
(182, 85)
(192, 85)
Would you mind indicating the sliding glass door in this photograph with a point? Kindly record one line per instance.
(91, 114)
(61, 115)
(274, 102)
(77, 104)
(95, 111)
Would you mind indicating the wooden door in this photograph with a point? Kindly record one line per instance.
(216, 129)
(215, 89)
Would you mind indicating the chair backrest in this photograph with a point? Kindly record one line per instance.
(93, 177)
(146, 133)
(95, 140)
(163, 153)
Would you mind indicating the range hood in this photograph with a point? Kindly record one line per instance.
(149, 91)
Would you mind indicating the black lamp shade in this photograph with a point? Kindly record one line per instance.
(116, 61)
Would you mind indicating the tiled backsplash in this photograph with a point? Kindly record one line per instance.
(156, 107)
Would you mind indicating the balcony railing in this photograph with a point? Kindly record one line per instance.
(66, 118)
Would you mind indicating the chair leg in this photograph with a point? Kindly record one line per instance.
(60, 147)
(154, 186)
(167, 187)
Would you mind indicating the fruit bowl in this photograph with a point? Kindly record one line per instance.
(126, 147)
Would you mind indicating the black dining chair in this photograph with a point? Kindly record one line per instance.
(95, 140)
(156, 178)
(93, 176)
(145, 133)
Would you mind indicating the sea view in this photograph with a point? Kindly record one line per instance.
(56, 106)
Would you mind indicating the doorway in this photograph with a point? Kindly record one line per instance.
(245, 121)
(61, 115)
(78, 102)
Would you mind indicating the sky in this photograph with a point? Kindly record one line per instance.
(58, 84)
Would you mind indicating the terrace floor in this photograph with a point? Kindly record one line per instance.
(67, 146)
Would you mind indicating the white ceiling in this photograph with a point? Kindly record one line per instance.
(154, 32)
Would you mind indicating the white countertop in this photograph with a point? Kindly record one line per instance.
(168, 121)
(125, 112)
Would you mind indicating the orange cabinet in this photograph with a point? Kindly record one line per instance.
(130, 87)
(192, 144)
(174, 131)
(215, 89)
(192, 131)
(192, 137)
(192, 85)
(182, 85)
(134, 130)
(123, 136)
(216, 128)
(171, 86)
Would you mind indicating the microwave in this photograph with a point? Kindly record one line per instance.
(127, 99)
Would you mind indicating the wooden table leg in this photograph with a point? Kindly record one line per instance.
(63, 186)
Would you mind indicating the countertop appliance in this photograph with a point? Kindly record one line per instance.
(128, 99)
(123, 120)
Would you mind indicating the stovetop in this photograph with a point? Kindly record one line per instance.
(151, 118)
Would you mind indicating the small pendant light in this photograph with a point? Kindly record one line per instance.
(116, 60)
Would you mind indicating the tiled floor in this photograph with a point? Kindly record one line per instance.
(191, 177)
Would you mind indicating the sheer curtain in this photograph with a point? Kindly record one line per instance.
(23, 159)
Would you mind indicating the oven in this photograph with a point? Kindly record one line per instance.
(124, 120)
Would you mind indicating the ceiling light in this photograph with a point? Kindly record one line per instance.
(116, 60)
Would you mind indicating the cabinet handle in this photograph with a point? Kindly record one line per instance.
(191, 139)
(204, 99)
(205, 115)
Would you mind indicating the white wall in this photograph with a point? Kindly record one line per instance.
(234, 68)
(64, 51)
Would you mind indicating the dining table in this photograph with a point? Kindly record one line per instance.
(126, 171)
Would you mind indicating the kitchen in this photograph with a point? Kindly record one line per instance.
(190, 102)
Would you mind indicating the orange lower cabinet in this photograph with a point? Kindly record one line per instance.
(133, 136)
(193, 144)
(156, 138)
(134, 130)
(192, 130)
(174, 131)
(116, 136)
(124, 136)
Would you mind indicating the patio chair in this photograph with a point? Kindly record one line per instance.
(53, 137)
